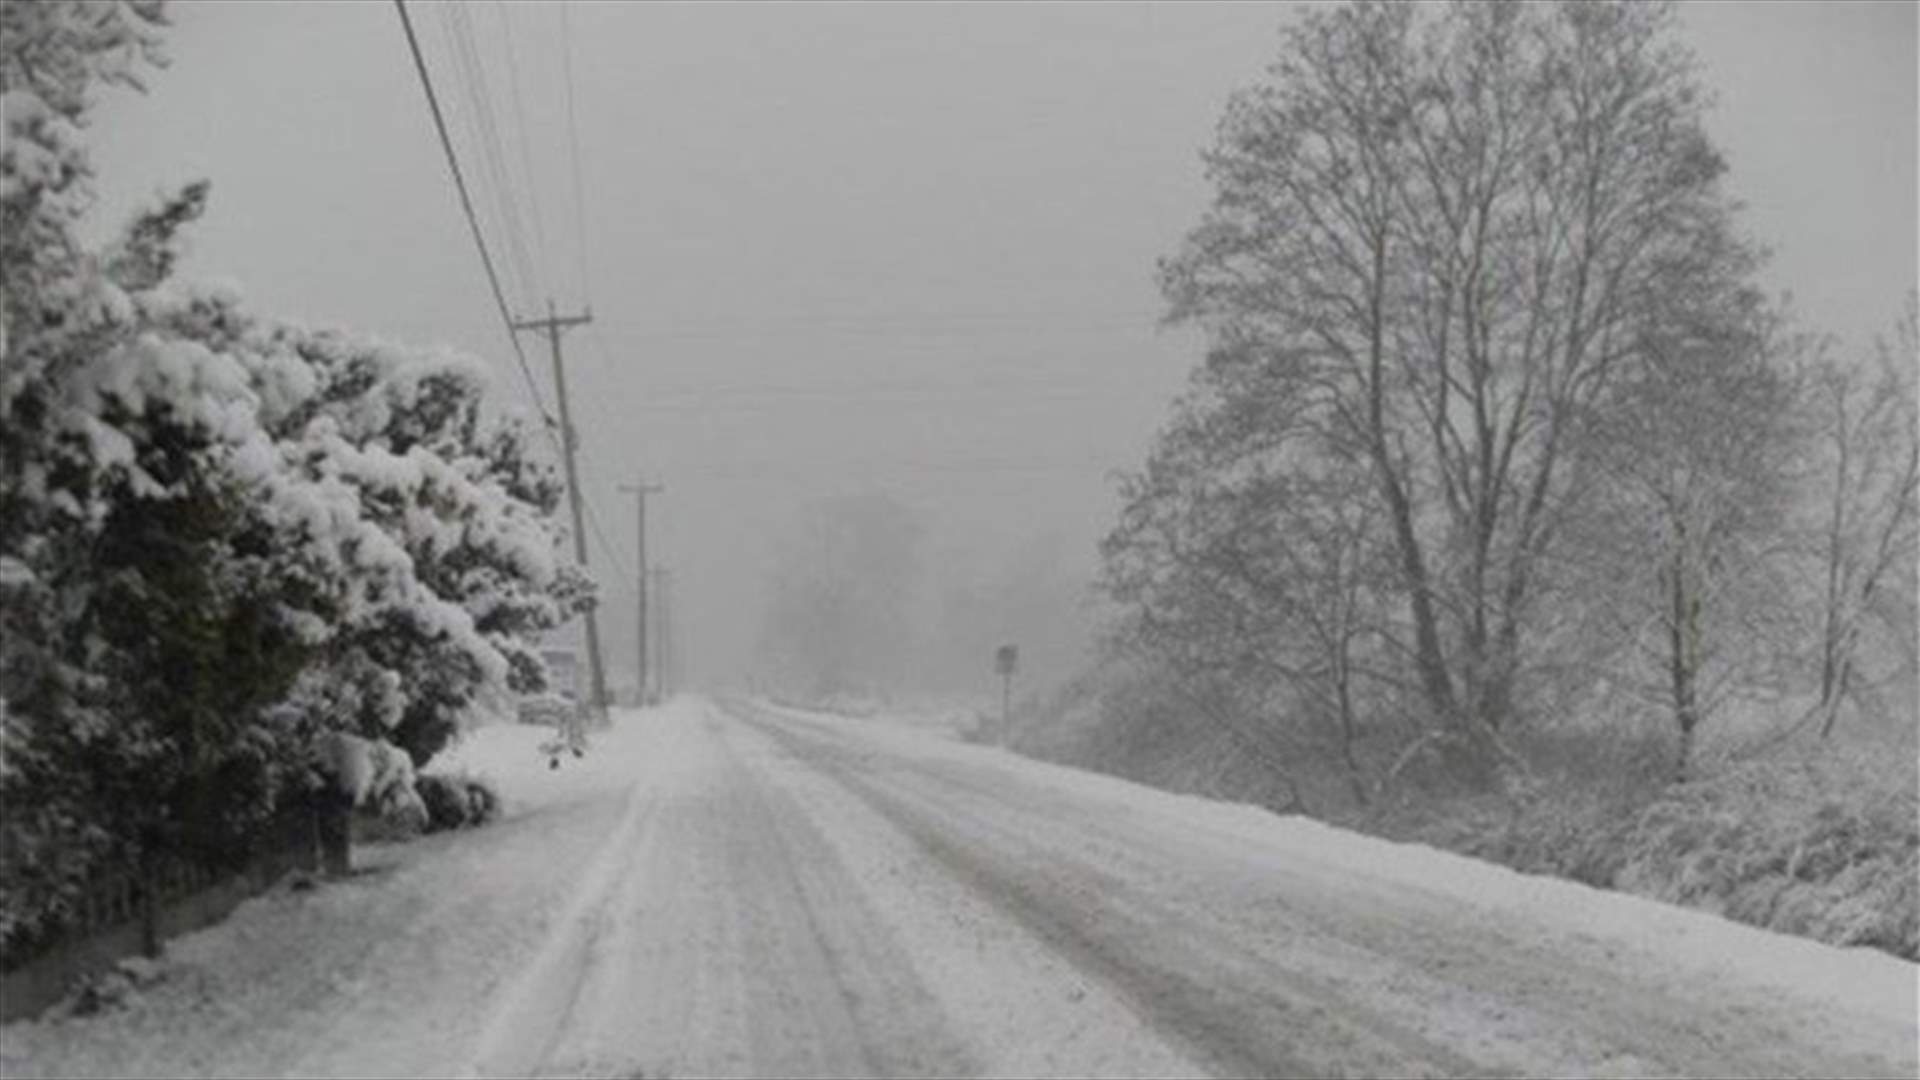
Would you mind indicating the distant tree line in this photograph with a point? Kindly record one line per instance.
(1494, 425)
(222, 537)
(856, 606)
(840, 609)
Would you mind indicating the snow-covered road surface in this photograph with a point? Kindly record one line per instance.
(736, 889)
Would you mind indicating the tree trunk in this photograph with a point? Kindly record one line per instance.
(334, 818)
(1833, 691)
(1355, 781)
(1683, 636)
(1428, 655)
(149, 908)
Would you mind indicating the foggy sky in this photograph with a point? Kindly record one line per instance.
(840, 248)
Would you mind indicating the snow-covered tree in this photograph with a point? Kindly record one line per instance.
(1679, 568)
(1444, 231)
(1868, 473)
(842, 595)
(1240, 560)
(221, 537)
(470, 517)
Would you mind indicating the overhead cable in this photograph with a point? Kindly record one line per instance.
(520, 129)
(484, 126)
(473, 223)
(573, 148)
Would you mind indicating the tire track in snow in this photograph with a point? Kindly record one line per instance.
(892, 1019)
(1017, 1005)
(1311, 969)
(521, 1032)
(1197, 989)
(1560, 1009)
(726, 938)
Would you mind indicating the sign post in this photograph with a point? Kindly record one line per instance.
(1005, 660)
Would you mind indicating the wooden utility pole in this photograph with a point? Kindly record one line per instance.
(663, 625)
(640, 492)
(1006, 659)
(553, 324)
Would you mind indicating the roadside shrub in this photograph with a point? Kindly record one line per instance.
(1843, 873)
(455, 802)
(1813, 847)
(446, 799)
(483, 801)
(1575, 835)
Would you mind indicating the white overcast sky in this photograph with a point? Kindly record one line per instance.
(837, 248)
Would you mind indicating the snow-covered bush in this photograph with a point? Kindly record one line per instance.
(1810, 847)
(1806, 843)
(447, 567)
(483, 801)
(223, 537)
(373, 776)
(456, 801)
(446, 801)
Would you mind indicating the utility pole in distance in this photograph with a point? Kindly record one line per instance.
(553, 324)
(1006, 659)
(640, 492)
(663, 623)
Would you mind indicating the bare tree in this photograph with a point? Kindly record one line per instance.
(839, 612)
(1245, 560)
(1867, 429)
(1443, 231)
(1683, 538)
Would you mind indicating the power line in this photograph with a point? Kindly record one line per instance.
(473, 222)
(1000, 391)
(468, 117)
(573, 147)
(892, 329)
(797, 467)
(520, 130)
(606, 547)
(486, 261)
(472, 75)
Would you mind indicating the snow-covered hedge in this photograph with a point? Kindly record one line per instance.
(224, 537)
(375, 775)
(1788, 845)
(454, 802)
(1806, 843)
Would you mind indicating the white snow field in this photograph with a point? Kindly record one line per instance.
(735, 889)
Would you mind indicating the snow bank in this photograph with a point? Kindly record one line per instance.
(508, 755)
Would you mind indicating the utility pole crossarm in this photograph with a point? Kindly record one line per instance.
(553, 321)
(559, 322)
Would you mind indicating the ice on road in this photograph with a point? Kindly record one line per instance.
(735, 889)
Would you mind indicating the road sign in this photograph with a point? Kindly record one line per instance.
(1005, 659)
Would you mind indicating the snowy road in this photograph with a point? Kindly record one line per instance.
(823, 897)
(779, 893)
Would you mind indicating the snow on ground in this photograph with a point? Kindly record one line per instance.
(952, 715)
(1861, 978)
(1009, 997)
(735, 889)
(1843, 998)
(390, 972)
